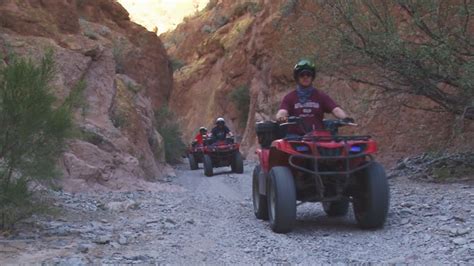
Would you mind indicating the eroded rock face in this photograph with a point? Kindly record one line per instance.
(127, 73)
(256, 44)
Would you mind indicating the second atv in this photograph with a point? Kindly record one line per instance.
(220, 154)
(321, 166)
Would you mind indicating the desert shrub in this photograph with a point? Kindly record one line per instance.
(32, 134)
(87, 29)
(210, 5)
(91, 34)
(246, 7)
(289, 7)
(221, 21)
(176, 64)
(169, 128)
(89, 136)
(176, 38)
(104, 31)
(241, 99)
(207, 29)
(118, 118)
(135, 88)
(118, 52)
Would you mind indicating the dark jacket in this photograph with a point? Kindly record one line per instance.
(220, 133)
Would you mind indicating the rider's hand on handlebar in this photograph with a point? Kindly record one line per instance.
(282, 119)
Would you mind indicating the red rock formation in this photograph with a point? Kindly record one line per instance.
(127, 73)
(256, 43)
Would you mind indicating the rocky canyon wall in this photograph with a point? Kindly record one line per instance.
(255, 44)
(127, 75)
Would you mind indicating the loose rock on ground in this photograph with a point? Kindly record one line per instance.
(198, 219)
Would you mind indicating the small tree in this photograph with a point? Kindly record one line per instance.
(419, 47)
(32, 133)
(196, 6)
(170, 130)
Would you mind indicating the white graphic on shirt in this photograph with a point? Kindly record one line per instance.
(307, 105)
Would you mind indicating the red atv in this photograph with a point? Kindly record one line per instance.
(320, 166)
(222, 153)
(195, 155)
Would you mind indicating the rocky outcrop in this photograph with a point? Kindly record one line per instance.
(255, 44)
(127, 76)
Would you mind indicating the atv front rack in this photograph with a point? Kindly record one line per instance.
(330, 138)
(317, 174)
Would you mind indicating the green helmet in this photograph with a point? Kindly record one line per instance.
(304, 65)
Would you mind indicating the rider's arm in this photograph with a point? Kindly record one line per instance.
(228, 132)
(330, 106)
(213, 133)
(285, 107)
(339, 113)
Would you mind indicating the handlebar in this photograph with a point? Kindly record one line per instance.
(331, 125)
(292, 120)
(338, 123)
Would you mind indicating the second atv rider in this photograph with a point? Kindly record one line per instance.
(307, 102)
(220, 132)
(201, 137)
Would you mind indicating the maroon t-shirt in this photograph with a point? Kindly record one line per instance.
(312, 111)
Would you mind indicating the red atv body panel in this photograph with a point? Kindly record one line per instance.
(316, 146)
(222, 153)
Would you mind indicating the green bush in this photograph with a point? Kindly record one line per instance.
(241, 98)
(424, 49)
(207, 29)
(135, 88)
(32, 134)
(221, 21)
(246, 7)
(119, 120)
(289, 7)
(118, 52)
(176, 64)
(210, 5)
(169, 128)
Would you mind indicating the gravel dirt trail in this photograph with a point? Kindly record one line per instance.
(197, 219)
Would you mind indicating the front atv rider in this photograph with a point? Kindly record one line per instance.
(220, 132)
(307, 102)
(201, 137)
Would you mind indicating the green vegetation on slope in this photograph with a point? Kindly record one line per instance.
(32, 134)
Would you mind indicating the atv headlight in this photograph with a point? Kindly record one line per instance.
(301, 148)
(358, 148)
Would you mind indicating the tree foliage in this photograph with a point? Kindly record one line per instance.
(418, 47)
(32, 132)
